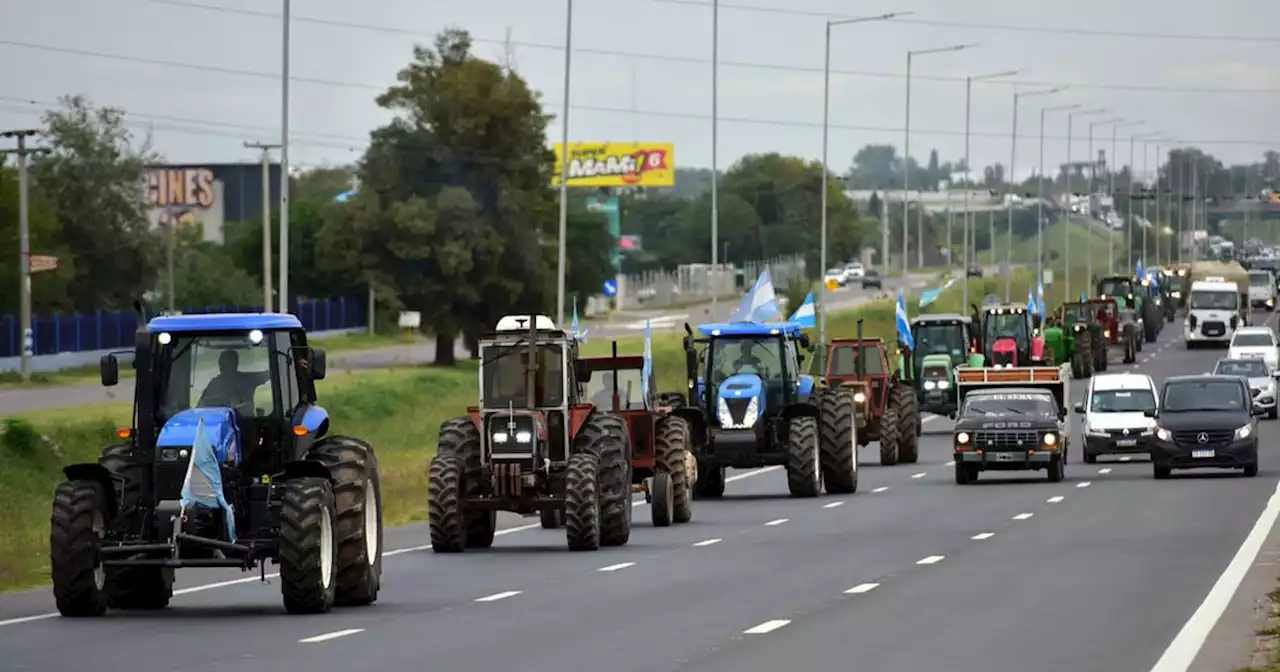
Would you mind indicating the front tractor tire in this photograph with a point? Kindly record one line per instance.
(357, 494)
(673, 448)
(804, 471)
(460, 438)
(904, 397)
(308, 555)
(890, 433)
(605, 436)
(582, 502)
(77, 526)
(839, 438)
(445, 478)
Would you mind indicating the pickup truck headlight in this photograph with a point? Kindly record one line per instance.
(1244, 432)
(1164, 434)
(1051, 439)
(962, 437)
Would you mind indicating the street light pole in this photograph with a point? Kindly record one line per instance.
(282, 297)
(1093, 177)
(1013, 159)
(1111, 172)
(564, 162)
(715, 146)
(1129, 219)
(826, 127)
(1040, 193)
(969, 238)
(906, 161)
(1066, 281)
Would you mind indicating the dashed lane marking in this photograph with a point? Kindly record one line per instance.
(952, 463)
(766, 627)
(1105, 470)
(1084, 484)
(778, 521)
(919, 475)
(881, 488)
(931, 560)
(620, 565)
(499, 596)
(983, 535)
(1125, 458)
(1023, 516)
(832, 505)
(330, 635)
(1055, 500)
(708, 542)
(862, 588)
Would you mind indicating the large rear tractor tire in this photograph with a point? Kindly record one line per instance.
(672, 446)
(77, 526)
(605, 435)
(672, 399)
(444, 505)
(460, 438)
(839, 441)
(904, 399)
(804, 472)
(308, 556)
(139, 587)
(357, 494)
(582, 502)
(890, 433)
(124, 461)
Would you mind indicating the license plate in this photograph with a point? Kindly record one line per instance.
(1125, 443)
(1202, 453)
(1007, 457)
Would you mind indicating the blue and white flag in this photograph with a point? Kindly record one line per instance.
(1040, 298)
(578, 334)
(647, 370)
(805, 315)
(1084, 298)
(1031, 300)
(1141, 273)
(760, 304)
(203, 483)
(928, 296)
(903, 323)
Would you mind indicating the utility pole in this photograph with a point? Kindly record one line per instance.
(969, 236)
(24, 242)
(283, 303)
(266, 220)
(715, 148)
(564, 162)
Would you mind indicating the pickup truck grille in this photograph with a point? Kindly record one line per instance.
(1006, 440)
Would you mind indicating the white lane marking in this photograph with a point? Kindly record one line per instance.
(614, 568)
(385, 554)
(952, 463)
(766, 627)
(1186, 644)
(1105, 471)
(1055, 500)
(933, 559)
(1084, 484)
(832, 505)
(1023, 516)
(708, 542)
(881, 488)
(930, 418)
(1124, 458)
(862, 588)
(778, 521)
(984, 535)
(328, 636)
(919, 475)
(499, 596)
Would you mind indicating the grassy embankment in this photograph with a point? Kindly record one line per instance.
(1266, 655)
(397, 410)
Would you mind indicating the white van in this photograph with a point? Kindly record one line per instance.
(1213, 313)
(1262, 289)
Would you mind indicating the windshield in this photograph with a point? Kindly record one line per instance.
(1246, 368)
(760, 355)
(599, 390)
(202, 371)
(941, 339)
(1260, 278)
(1116, 287)
(844, 362)
(1122, 401)
(505, 378)
(1176, 283)
(1252, 339)
(1007, 325)
(1077, 312)
(1209, 395)
(1009, 404)
(1205, 299)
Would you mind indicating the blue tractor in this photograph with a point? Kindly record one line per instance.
(229, 463)
(750, 406)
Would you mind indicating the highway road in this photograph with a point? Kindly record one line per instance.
(24, 400)
(1107, 570)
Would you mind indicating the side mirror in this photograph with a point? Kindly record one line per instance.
(1150, 413)
(317, 364)
(109, 369)
(1079, 408)
(804, 342)
(581, 371)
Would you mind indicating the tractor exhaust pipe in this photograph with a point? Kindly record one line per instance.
(858, 362)
(531, 367)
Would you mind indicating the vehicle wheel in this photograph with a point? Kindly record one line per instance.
(710, 484)
(966, 473)
(139, 587)
(1090, 458)
(1077, 366)
(308, 555)
(78, 524)
(1160, 472)
(551, 519)
(909, 430)
(890, 432)
(1057, 470)
(582, 502)
(460, 438)
(671, 447)
(1272, 414)
(357, 495)
(1251, 469)
(662, 499)
(839, 441)
(1104, 360)
(605, 435)
(804, 473)
(445, 517)
(122, 460)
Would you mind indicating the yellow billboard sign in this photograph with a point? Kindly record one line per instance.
(617, 164)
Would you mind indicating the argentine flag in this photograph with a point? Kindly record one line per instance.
(1142, 275)
(1084, 298)
(578, 334)
(805, 315)
(203, 483)
(903, 323)
(1031, 300)
(760, 304)
(647, 370)
(1040, 298)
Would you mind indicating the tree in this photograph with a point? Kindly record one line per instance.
(92, 177)
(49, 288)
(206, 275)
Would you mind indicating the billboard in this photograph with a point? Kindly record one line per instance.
(212, 194)
(617, 164)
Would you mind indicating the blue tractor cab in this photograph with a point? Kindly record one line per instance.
(228, 463)
(751, 406)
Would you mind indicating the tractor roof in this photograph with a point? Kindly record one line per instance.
(941, 317)
(1005, 308)
(224, 322)
(517, 326)
(750, 329)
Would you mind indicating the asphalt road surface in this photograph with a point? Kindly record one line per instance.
(1105, 571)
(23, 400)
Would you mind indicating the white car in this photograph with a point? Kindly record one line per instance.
(853, 271)
(1262, 290)
(1255, 342)
(1262, 381)
(1114, 410)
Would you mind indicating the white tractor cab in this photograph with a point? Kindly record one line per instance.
(1213, 312)
(1262, 289)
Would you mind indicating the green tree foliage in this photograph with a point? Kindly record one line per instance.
(205, 274)
(48, 288)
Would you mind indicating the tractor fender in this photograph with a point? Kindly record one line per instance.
(92, 471)
(697, 423)
(801, 409)
(305, 469)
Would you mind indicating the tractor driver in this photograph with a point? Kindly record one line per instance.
(747, 357)
(604, 398)
(232, 387)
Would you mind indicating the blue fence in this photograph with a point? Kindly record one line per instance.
(114, 329)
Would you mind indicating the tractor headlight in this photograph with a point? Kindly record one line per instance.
(859, 398)
(524, 436)
(501, 437)
(943, 384)
(930, 385)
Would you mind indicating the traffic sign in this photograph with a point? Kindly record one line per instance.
(832, 284)
(610, 287)
(42, 262)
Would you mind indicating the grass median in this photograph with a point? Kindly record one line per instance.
(398, 410)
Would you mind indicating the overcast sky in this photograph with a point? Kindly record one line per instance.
(661, 69)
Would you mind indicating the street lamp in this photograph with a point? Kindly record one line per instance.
(1040, 192)
(1066, 281)
(1146, 145)
(969, 239)
(1111, 173)
(1128, 226)
(1013, 156)
(283, 297)
(564, 162)
(1093, 178)
(826, 127)
(906, 159)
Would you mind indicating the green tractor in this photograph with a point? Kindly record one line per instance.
(1077, 337)
(943, 342)
(1130, 295)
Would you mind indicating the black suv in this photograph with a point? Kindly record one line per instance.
(1205, 421)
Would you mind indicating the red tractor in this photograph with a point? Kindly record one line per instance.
(1119, 327)
(1009, 336)
(886, 408)
(663, 466)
